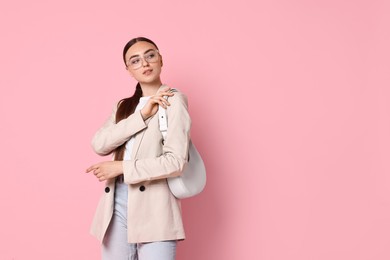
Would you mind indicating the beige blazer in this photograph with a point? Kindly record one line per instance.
(154, 214)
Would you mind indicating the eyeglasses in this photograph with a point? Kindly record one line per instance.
(136, 62)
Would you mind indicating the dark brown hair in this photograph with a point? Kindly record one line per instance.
(127, 106)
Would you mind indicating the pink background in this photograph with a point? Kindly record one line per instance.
(290, 108)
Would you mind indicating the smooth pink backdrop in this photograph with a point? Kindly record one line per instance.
(290, 108)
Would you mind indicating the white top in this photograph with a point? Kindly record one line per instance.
(130, 142)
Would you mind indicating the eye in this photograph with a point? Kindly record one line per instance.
(134, 61)
(150, 56)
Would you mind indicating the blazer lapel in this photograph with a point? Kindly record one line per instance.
(137, 141)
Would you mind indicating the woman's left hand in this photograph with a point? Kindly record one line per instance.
(106, 170)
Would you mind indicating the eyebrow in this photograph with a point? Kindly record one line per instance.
(138, 55)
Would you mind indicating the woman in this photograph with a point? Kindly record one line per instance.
(137, 216)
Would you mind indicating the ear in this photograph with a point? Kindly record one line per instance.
(161, 61)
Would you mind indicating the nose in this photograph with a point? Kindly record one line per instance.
(144, 60)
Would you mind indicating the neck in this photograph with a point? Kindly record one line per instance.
(150, 89)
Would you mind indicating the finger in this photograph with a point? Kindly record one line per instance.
(155, 99)
(165, 89)
(164, 101)
(170, 94)
(160, 101)
(91, 168)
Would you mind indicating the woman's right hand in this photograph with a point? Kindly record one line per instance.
(151, 106)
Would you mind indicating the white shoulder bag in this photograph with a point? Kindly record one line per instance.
(193, 178)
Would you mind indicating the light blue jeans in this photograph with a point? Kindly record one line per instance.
(115, 245)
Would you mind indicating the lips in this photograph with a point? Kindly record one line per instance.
(148, 72)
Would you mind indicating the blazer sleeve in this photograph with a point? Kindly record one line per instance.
(112, 135)
(175, 148)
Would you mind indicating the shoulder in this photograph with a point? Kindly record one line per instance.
(178, 97)
(178, 107)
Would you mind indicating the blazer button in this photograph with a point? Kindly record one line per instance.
(107, 189)
(142, 188)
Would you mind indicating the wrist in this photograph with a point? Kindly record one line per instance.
(142, 115)
(119, 168)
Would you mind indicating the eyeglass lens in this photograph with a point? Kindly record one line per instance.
(150, 57)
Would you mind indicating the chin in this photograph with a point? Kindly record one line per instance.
(149, 79)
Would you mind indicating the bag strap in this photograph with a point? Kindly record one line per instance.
(162, 117)
(163, 121)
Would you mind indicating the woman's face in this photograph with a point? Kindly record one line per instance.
(144, 62)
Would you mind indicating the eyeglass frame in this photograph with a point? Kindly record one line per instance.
(143, 59)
